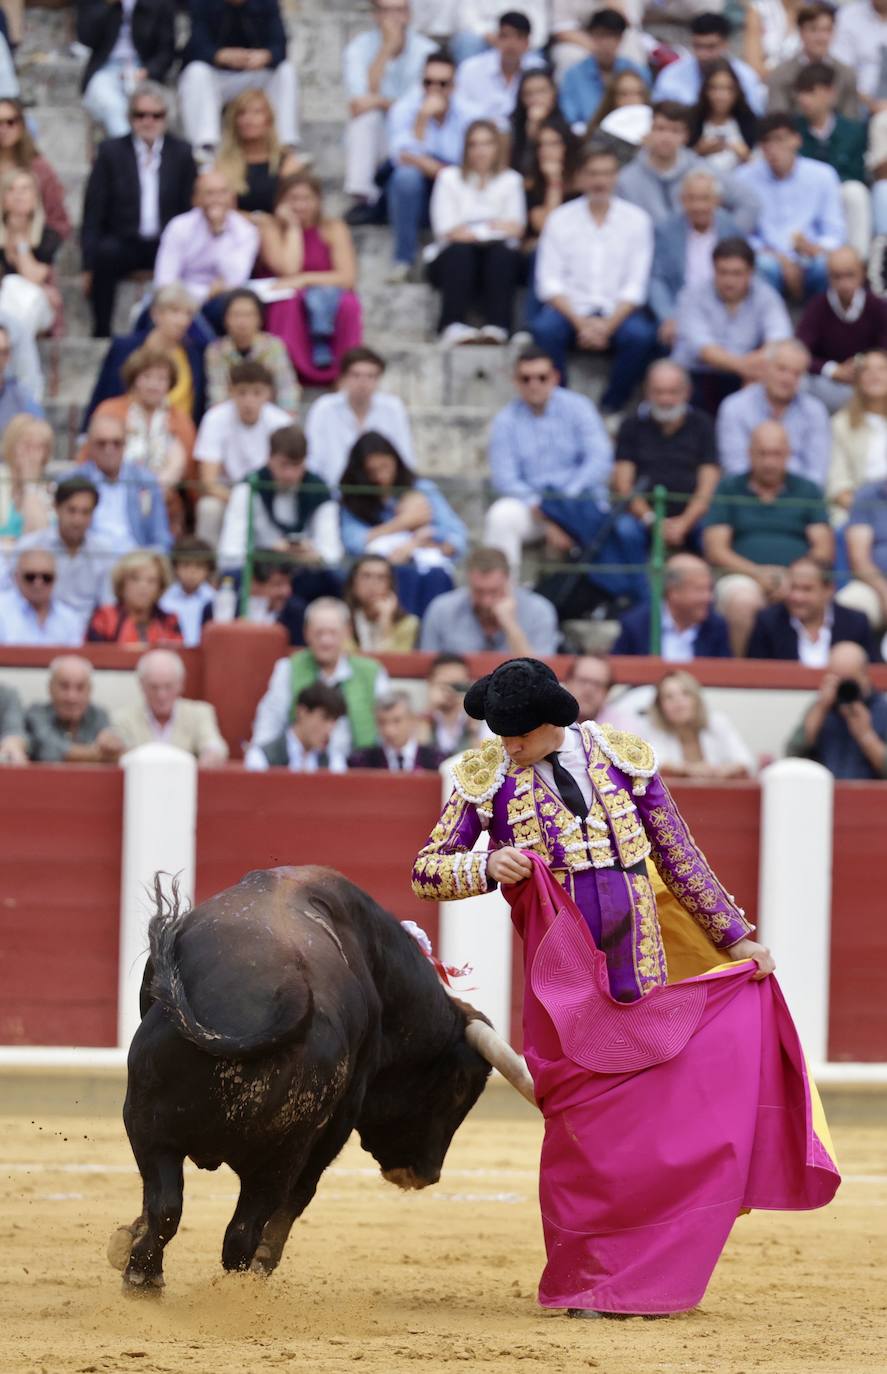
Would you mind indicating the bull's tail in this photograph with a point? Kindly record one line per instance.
(279, 1019)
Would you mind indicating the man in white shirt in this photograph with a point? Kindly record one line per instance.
(489, 80)
(592, 274)
(29, 613)
(336, 421)
(306, 746)
(211, 249)
(234, 440)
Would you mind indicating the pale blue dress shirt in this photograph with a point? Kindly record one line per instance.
(566, 449)
(703, 319)
(443, 140)
(808, 201)
(19, 623)
(401, 72)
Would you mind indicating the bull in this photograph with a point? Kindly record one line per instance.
(278, 1017)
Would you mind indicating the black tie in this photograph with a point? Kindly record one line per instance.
(399, 758)
(566, 784)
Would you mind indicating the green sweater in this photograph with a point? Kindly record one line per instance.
(844, 149)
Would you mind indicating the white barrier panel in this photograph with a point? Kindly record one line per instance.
(795, 892)
(478, 931)
(159, 829)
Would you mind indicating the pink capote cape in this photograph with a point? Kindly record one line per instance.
(664, 1117)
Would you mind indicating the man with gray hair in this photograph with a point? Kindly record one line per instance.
(691, 628)
(778, 397)
(669, 442)
(399, 750)
(69, 728)
(138, 183)
(164, 716)
(683, 244)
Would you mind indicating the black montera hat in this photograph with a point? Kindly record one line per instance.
(519, 696)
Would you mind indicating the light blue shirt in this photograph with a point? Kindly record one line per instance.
(582, 88)
(111, 519)
(443, 139)
(19, 623)
(682, 81)
(808, 201)
(805, 420)
(703, 319)
(446, 526)
(565, 449)
(401, 72)
(678, 646)
(188, 608)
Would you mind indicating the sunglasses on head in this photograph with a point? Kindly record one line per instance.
(31, 577)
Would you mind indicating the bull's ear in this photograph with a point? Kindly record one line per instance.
(480, 1035)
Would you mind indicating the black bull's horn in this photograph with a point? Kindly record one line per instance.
(501, 1056)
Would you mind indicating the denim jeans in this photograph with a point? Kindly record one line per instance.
(409, 192)
(631, 349)
(814, 269)
(106, 99)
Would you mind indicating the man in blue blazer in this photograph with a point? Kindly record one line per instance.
(809, 621)
(682, 244)
(131, 512)
(690, 628)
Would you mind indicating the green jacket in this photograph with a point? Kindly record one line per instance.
(844, 149)
(359, 691)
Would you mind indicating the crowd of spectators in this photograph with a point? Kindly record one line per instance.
(709, 229)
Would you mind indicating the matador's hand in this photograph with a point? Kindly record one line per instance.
(750, 949)
(508, 865)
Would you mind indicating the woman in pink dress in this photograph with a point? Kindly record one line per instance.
(304, 250)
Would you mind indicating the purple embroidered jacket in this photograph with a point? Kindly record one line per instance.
(600, 861)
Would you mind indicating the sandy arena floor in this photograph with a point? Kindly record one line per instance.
(386, 1282)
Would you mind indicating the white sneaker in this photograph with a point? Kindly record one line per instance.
(397, 274)
(494, 334)
(456, 334)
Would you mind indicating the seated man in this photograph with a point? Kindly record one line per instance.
(83, 559)
(490, 613)
(360, 680)
(751, 543)
(233, 441)
(127, 45)
(592, 273)
(15, 399)
(866, 535)
(589, 679)
(336, 421)
(211, 249)
(306, 745)
(69, 728)
(808, 622)
(138, 183)
(668, 442)
(13, 741)
(846, 727)
(379, 66)
(426, 132)
(840, 324)
(473, 25)
(29, 612)
(271, 600)
(709, 39)
(723, 327)
(781, 397)
(283, 512)
(816, 28)
(131, 512)
(399, 749)
(164, 716)
(572, 39)
(235, 47)
(584, 85)
(830, 137)
(488, 81)
(801, 216)
(683, 244)
(543, 418)
(690, 626)
(449, 728)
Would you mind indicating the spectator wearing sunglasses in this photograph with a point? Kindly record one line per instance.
(426, 132)
(130, 42)
(29, 612)
(131, 512)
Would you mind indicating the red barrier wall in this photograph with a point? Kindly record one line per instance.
(858, 1008)
(60, 891)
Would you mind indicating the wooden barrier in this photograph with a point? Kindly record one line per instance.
(858, 1006)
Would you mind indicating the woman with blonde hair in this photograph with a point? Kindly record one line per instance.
(478, 217)
(19, 152)
(27, 250)
(158, 436)
(690, 740)
(139, 580)
(25, 450)
(859, 436)
(250, 156)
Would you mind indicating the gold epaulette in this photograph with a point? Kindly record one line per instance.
(630, 753)
(479, 773)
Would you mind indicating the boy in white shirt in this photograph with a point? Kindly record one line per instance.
(190, 598)
(234, 440)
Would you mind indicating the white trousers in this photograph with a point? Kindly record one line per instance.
(508, 525)
(859, 596)
(366, 147)
(204, 90)
(857, 201)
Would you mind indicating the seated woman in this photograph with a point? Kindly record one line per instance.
(250, 156)
(27, 250)
(138, 580)
(244, 341)
(25, 450)
(314, 256)
(690, 740)
(19, 152)
(549, 183)
(405, 518)
(379, 624)
(478, 216)
(859, 437)
(724, 128)
(536, 106)
(624, 116)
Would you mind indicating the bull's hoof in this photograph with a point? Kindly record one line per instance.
(263, 1262)
(135, 1282)
(120, 1245)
